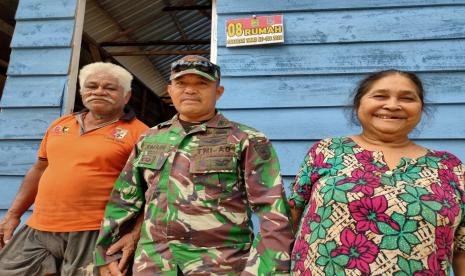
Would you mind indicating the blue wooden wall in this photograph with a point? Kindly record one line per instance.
(37, 79)
(296, 92)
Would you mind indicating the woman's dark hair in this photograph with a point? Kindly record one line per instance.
(365, 85)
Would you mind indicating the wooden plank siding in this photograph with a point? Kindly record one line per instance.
(45, 9)
(325, 90)
(37, 91)
(17, 157)
(257, 6)
(429, 55)
(369, 25)
(43, 33)
(317, 122)
(299, 92)
(8, 192)
(37, 80)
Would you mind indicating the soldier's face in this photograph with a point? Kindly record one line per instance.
(194, 97)
(103, 94)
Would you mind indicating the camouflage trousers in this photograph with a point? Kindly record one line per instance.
(176, 258)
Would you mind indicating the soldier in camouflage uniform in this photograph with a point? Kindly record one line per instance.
(198, 178)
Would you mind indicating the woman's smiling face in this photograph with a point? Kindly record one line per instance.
(391, 107)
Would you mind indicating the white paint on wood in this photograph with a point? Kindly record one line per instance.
(214, 33)
(70, 92)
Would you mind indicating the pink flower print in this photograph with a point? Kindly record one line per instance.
(449, 208)
(358, 248)
(449, 180)
(309, 218)
(299, 255)
(444, 240)
(366, 159)
(365, 181)
(301, 187)
(368, 211)
(313, 216)
(318, 160)
(318, 163)
(447, 159)
(434, 269)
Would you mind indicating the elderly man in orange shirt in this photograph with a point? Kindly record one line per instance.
(78, 162)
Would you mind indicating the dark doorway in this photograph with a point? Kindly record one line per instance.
(145, 37)
(7, 26)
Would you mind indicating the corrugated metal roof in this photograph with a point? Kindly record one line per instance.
(157, 25)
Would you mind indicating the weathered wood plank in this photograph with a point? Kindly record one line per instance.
(17, 156)
(51, 61)
(33, 9)
(330, 90)
(343, 58)
(31, 91)
(256, 6)
(26, 123)
(9, 186)
(287, 181)
(43, 33)
(314, 123)
(368, 25)
(292, 153)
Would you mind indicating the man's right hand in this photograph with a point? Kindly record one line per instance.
(7, 226)
(111, 269)
(23, 200)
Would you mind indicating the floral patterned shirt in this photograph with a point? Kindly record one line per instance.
(360, 217)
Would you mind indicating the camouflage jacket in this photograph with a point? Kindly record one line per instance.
(198, 191)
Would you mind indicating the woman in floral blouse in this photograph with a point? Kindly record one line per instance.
(377, 203)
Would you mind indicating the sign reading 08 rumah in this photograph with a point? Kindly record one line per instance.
(254, 30)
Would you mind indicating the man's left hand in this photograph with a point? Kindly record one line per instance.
(126, 245)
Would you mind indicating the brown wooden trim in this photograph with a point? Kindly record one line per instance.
(69, 98)
(160, 53)
(143, 103)
(6, 28)
(177, 23)
(155, 42)
(3, 63)
(95, 52)
(187, 8)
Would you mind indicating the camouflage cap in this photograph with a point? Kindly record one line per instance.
(193, 64)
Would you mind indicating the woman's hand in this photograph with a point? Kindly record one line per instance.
(459, 263)
(296, 215)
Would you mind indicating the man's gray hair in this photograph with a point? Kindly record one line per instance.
(123, 75)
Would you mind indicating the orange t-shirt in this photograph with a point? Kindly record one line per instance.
(81, 172)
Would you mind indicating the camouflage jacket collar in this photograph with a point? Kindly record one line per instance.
(218, 121)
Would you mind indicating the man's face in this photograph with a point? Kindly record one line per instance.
(194, 97)
(102, 94)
